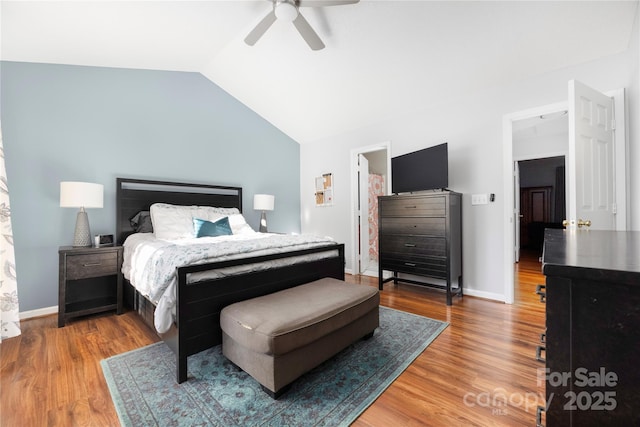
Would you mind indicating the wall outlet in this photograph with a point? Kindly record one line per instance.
(479, 199)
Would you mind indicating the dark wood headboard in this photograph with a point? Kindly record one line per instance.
(135, 195)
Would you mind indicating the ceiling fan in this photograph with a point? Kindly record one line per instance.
(287, 10)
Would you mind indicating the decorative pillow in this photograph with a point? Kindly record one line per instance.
(141, 222)
(204, 228)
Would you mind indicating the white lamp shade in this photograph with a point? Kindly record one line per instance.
(263, 202)
(81, 195)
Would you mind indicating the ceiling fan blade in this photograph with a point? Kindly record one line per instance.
(321, 3)
(261, 28)
(307, 33)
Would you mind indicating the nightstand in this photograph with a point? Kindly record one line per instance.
(90, 281)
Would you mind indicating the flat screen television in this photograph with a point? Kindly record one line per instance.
(426, 169)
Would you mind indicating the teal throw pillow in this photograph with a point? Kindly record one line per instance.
(205, 228)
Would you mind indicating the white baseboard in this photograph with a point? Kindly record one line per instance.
(39, 312)
(370, 273)
(483, 294)
(466, 291)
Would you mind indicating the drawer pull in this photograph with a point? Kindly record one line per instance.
(539, 350)
(92, 264)
(410, 245)
(411, 207)
(410, 264)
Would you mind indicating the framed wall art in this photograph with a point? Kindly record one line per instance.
(324, 190)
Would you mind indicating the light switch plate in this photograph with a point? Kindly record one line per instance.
(479, 199)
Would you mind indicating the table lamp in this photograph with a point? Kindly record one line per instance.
(81, 195)
(263, 202)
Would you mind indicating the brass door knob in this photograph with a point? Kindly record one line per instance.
(580, 223)
(586, 223)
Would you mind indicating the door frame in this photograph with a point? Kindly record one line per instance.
(622, 195)
(363, 220)
(353, 165)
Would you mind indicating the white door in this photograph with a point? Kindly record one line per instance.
(516, 209)
(363, 210)
(591, 159)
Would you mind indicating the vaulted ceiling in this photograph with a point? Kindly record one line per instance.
(382, 59)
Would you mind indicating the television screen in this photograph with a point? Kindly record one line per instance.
(426, 169)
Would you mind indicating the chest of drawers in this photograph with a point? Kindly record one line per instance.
(421, 235)
(592, 316)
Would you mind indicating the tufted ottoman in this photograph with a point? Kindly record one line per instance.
(278, 337)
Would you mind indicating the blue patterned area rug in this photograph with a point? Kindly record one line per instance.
(145, 393)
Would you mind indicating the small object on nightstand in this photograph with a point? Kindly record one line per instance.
(90, 281)
(101, 240)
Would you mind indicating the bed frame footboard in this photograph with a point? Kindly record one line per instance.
(199, 304)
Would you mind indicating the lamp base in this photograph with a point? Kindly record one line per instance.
(263, 222)
(82, 235)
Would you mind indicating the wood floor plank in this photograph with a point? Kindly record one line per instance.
(77, 413)
(480, 371)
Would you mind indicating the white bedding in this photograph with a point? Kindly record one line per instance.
(150, 263)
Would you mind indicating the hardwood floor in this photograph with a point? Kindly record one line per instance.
(480, 371)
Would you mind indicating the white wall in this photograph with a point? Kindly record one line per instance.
(540, 141)
(633, 115)
(377, 162)
(473, 128)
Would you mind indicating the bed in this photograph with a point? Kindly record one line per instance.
(196, 321)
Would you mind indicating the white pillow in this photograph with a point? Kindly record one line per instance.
(239, 224)
(172, 222)
(221, 211)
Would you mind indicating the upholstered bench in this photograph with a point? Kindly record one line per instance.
(278, 337)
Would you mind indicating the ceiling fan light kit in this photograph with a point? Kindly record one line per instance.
(288, 10)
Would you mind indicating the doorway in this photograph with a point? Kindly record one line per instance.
(542, 200)
(539, 146)
(370, 179)
(510, 163)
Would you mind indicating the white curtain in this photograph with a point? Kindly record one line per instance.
(9, 312)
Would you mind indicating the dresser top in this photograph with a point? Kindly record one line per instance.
(425, 193)
(592, 254)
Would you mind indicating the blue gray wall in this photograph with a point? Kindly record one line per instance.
(70, 123)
